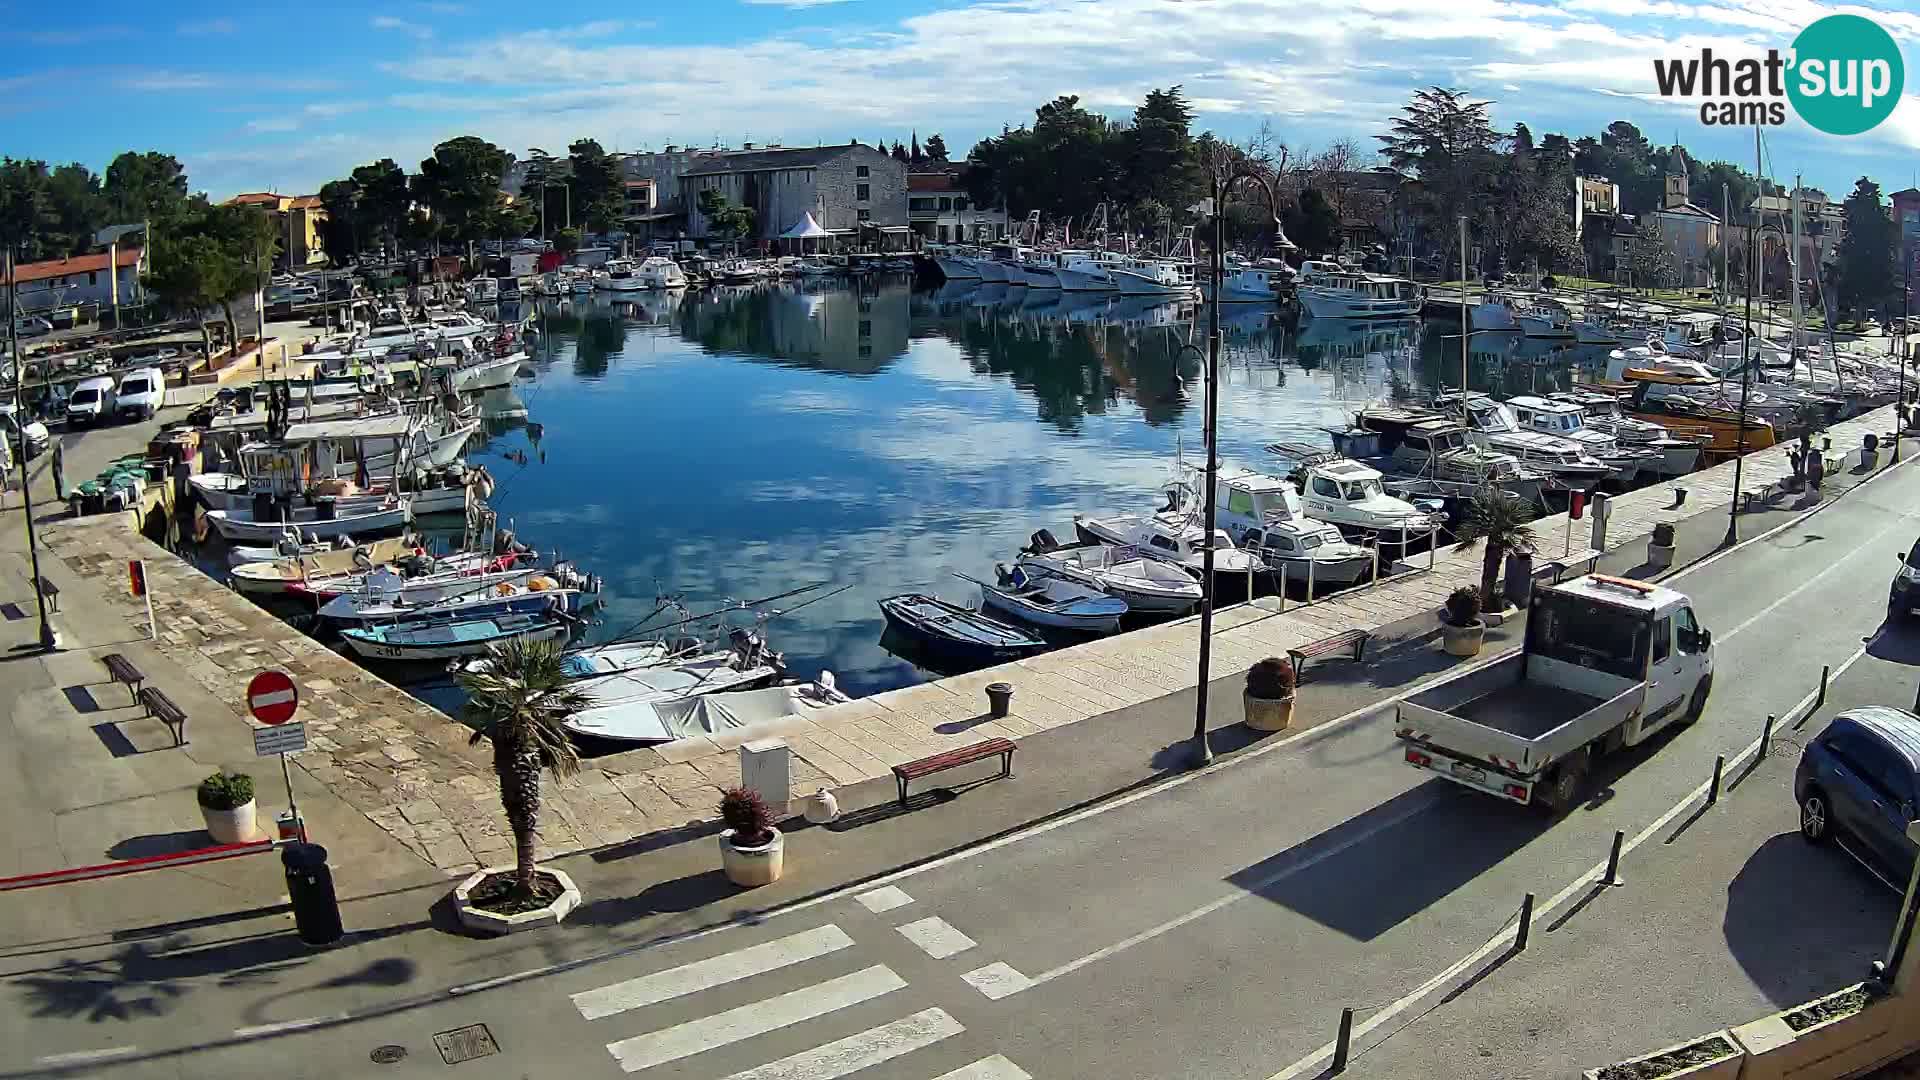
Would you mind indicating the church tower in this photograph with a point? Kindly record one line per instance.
(1676, 179)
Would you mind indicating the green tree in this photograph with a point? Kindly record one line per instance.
(913, 149)
(23, 204)
(1649, 259)
(148, 186)
(1158, 159)
(936, 148)
(75, 211)
(899, 152)
(383, 201)
(460, 183)
(599, 193)
(566, 241)
(518, 701)
(187, 275)
(1497, 520)
(727, 219)
(1447, 139)
(1312, 223)
(1868, 261)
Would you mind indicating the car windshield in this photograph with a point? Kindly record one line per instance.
(134, 386)
(1913, 557)
(86, 396)
(1576, 630)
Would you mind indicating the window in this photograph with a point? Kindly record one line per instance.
(862, 170)
(960, 205)
(1325, 488)
(866, 215)
(1280, 543)
(1240, 502)
(1686, 632)
(866, 351)
(1163, 543)
(1662, 639)
(946, 204)
(1885, 768)
(862, 192)
(93, 277)
(866, 328)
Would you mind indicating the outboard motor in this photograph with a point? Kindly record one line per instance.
(1040, 542)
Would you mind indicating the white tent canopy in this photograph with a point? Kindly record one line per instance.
(806, 229)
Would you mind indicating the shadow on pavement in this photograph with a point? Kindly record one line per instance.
(82, 699)
(135, 847)
(1801, 920)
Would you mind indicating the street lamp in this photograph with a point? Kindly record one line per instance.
(1223, 185)
(1749, 353)
(48, 642)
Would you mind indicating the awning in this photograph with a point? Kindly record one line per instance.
(886, 228)
(805, 229)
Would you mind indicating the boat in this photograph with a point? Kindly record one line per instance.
(955, 635)
(1147, 585)
(1536, 317)
(350, 609)
(1079, 271)
(738, 712)
(657, 272)
(1152, 277)
(318, 522)
(482, 290)
(1431, 447)
(1264, 514)
(1331, 291)
(618, 275)
(1047, 600)
(386, 594)
(449, 640)
(1492, 425)
(276, 573)
(1568, 421)
(744, 665)
(955, 266)
(1352, 497)
(594, 661)
(1173, 536)
(1676, 450)
(484, 373)
(1247, 285)
(1694, 403)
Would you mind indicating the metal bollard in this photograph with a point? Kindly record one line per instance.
(1341, 1044)
(1825, 670)
(1766, 736)
(1433, 545)
(1283, 588)
(1525, 929)
(1613, 860)
(1311, 563)
(1719, 768)
(1376, 560)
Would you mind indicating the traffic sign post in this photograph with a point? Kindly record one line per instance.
(137, 584)
(272, 698)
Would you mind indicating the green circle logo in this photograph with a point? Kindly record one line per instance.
(1846, 74)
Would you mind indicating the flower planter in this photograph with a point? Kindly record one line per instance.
(1716, 1054)
(752, 867)
(233, 826)
(1830, 1041)
(1659, 556)
(1463, 640)
(492, 922)
(1268, 714)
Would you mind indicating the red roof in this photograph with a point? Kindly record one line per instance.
(79, 264)
(940, 181)
(257, 198)
(304, 202)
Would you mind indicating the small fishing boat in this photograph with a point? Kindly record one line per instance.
(597, 660)
(747, 663)
(431, 640)
(657, 721)
(322, 522)
(504, 598)
(1175, 537)
(1045, 600)
(956, 635)
(1147, 585)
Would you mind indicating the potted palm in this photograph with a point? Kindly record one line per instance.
(1497, 520)
(518, 702)
(226, 805)
(1269, 695)
(1461, 628)
(752, 851)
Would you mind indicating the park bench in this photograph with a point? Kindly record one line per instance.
(1354, 641)
(1556, 569)
(162, 708)
(121, 670)
(927, 766)
(48, 591)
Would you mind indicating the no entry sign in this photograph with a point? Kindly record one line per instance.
(271, 697)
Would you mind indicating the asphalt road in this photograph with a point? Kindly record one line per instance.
(1212, 927)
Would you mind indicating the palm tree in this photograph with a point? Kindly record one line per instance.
(1500, 519)
(518, 701)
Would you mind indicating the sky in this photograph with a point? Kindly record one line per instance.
(266, 97)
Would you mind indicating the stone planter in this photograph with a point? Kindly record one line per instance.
(752, 867)
(233, 826)
(1462, 640)
(1845, 1045)
(1659, 556)
(1519, 585)
(1268, 714)
(488, 922)
(1717, 1064)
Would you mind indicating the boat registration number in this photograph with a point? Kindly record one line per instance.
(1469, 772)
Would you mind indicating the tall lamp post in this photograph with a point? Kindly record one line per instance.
(1223, 186)
(1900, 408)
(48, 642)
(1749, 353)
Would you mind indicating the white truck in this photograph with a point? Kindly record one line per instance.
(1607, 663)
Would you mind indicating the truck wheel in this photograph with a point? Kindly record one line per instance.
(1698, 703)
(1564, 789)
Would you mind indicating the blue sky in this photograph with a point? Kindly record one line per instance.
(272, 97)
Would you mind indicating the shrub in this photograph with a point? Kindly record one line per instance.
(1663, 534)
(225, 791)
(1463, 606)
(1270, 678)
(747, 814)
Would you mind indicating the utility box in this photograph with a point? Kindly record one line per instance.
(1600, 509)
(766, 766)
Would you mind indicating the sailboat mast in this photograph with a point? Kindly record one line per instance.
(1793, 259)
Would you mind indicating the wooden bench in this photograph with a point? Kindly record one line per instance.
(48, 591)
(927, 766)
(1557, 568)
(1354, 640)
(162, 708)
(121, 670)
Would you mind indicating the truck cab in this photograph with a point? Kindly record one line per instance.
(1608, 662)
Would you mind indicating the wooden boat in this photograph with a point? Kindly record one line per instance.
(387, 515)
(1047, 600)
(957, 636)
(503, 598)
(452, 639)
(283, 574)
(597, 660)
(1682, 402)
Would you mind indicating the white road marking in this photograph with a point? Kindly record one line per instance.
(856, 1052)
(756, 1018)
(1503, 938)
(283, 1026)
(987, 1068)
(1809, 583)
(711, 972)
(82, 1057)
(936, 937)
(885, 898)
(997, 981)
(1416, 806)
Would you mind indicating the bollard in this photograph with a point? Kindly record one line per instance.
(1719, 767)
(1341, 1044)
(1825, 670)
(999, 699)
(1283, 588)
(1525, 929)
(1376, 559)
(1613, 860)
(316, 911)
(1310, 565)
(1766, 736)
(1433, 544)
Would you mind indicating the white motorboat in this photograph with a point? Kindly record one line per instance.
(267, 571)
(1152, 277)
(451, 640)
(1048, 600)
(594, 661)
(1676, 453)
(955, 266)
(1174, 538)
(1493, 426)
(619, 275)
(483, 290)
(485, 373)
(368, 598)
(239, 525)
(357, 609)
(744, 665)
(1429, 446)
(1264, 514)
(658, 272)
(660, 720)
(1248, 285)
(1568, 421)
(988, 270)
(1079, 271)
(1330, 291)
(1351, 496)
(1147, 585)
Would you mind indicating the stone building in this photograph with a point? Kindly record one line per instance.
(854, 191)
(940, 210)
(1692, 233)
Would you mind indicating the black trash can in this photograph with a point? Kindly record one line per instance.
(316, 912)
(999, 699)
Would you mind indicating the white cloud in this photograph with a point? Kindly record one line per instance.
(398, 25)
(205, 27)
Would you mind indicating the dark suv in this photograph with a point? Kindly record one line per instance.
(1861, 776)
(1903, 597)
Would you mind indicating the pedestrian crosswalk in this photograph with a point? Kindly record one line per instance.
(807, 1005)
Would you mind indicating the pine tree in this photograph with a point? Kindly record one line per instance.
(913, 152)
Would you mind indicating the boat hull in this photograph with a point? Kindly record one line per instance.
(1330, 304)
(238, 526)
(485, 375)
(1103, 621)
(372, 648)
(957, 269)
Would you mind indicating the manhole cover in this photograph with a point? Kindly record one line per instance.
(387, 1055)
(465, 1044)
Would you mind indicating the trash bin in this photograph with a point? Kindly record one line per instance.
(999, 699)
(316, 912)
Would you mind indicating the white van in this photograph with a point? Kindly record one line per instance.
(91, 401)
(142, 392)
(29, 438)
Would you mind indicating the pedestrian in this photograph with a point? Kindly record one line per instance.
(1816, 470)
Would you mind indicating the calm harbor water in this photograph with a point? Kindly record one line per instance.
(733, 444)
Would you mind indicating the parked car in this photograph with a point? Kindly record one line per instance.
(1903, 596)
(1861, 778)
(91, 401)
(30, 437)
(141, 393)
